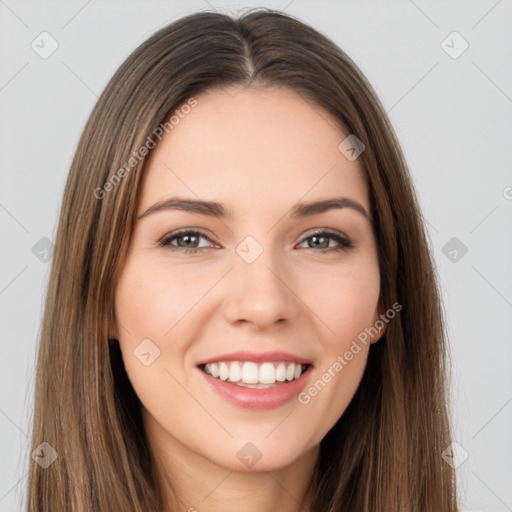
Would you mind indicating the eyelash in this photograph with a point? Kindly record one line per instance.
(345, 242)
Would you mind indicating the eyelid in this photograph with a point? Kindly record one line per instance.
(325, 231)
(182, 232)
(344, 241)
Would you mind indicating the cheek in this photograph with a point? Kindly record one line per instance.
(345, 301)
(151, 298)
(150, 301)
(156, 301)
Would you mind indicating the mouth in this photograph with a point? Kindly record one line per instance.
(256, 386)
(256, 381)
(255, 375)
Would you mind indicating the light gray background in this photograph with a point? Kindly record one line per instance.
(453, 118)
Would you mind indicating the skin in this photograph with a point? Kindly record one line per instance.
(259, 151)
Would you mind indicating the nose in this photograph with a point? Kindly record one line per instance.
(261, 293)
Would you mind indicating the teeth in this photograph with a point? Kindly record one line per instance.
(250, 374)
(214, 370)
(290, 372)
(267, 373)
(281, 372)
(235, 373)
(223, 371)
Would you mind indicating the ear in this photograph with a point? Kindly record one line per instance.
(378, 327)
(113, 332)
(379, 335)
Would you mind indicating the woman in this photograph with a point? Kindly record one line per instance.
(242, 309)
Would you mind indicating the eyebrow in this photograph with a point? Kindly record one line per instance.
(219, 210)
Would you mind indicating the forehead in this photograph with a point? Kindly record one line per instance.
(252, 147)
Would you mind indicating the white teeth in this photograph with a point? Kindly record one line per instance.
(281, 372)
(223, 371)
(212, 369)
(250, 374)
(268, 373)
(215, 370)
(235, 373)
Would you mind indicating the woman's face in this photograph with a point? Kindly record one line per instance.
(270, 282)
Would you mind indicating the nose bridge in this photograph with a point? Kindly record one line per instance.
(259, 292)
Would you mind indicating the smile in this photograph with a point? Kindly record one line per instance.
(255, 375)
(256, 395)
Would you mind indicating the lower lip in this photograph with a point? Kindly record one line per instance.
(258, 399)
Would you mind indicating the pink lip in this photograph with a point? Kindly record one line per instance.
(258, 399)
(256, 358)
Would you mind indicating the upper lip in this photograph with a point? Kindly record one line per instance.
(256, 357)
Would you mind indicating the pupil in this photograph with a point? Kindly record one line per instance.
(316, 238)
(187, 238)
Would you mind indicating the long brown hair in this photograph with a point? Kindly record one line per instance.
(384, 453)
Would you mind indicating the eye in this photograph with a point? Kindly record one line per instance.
(187, 240)
(321, 240)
